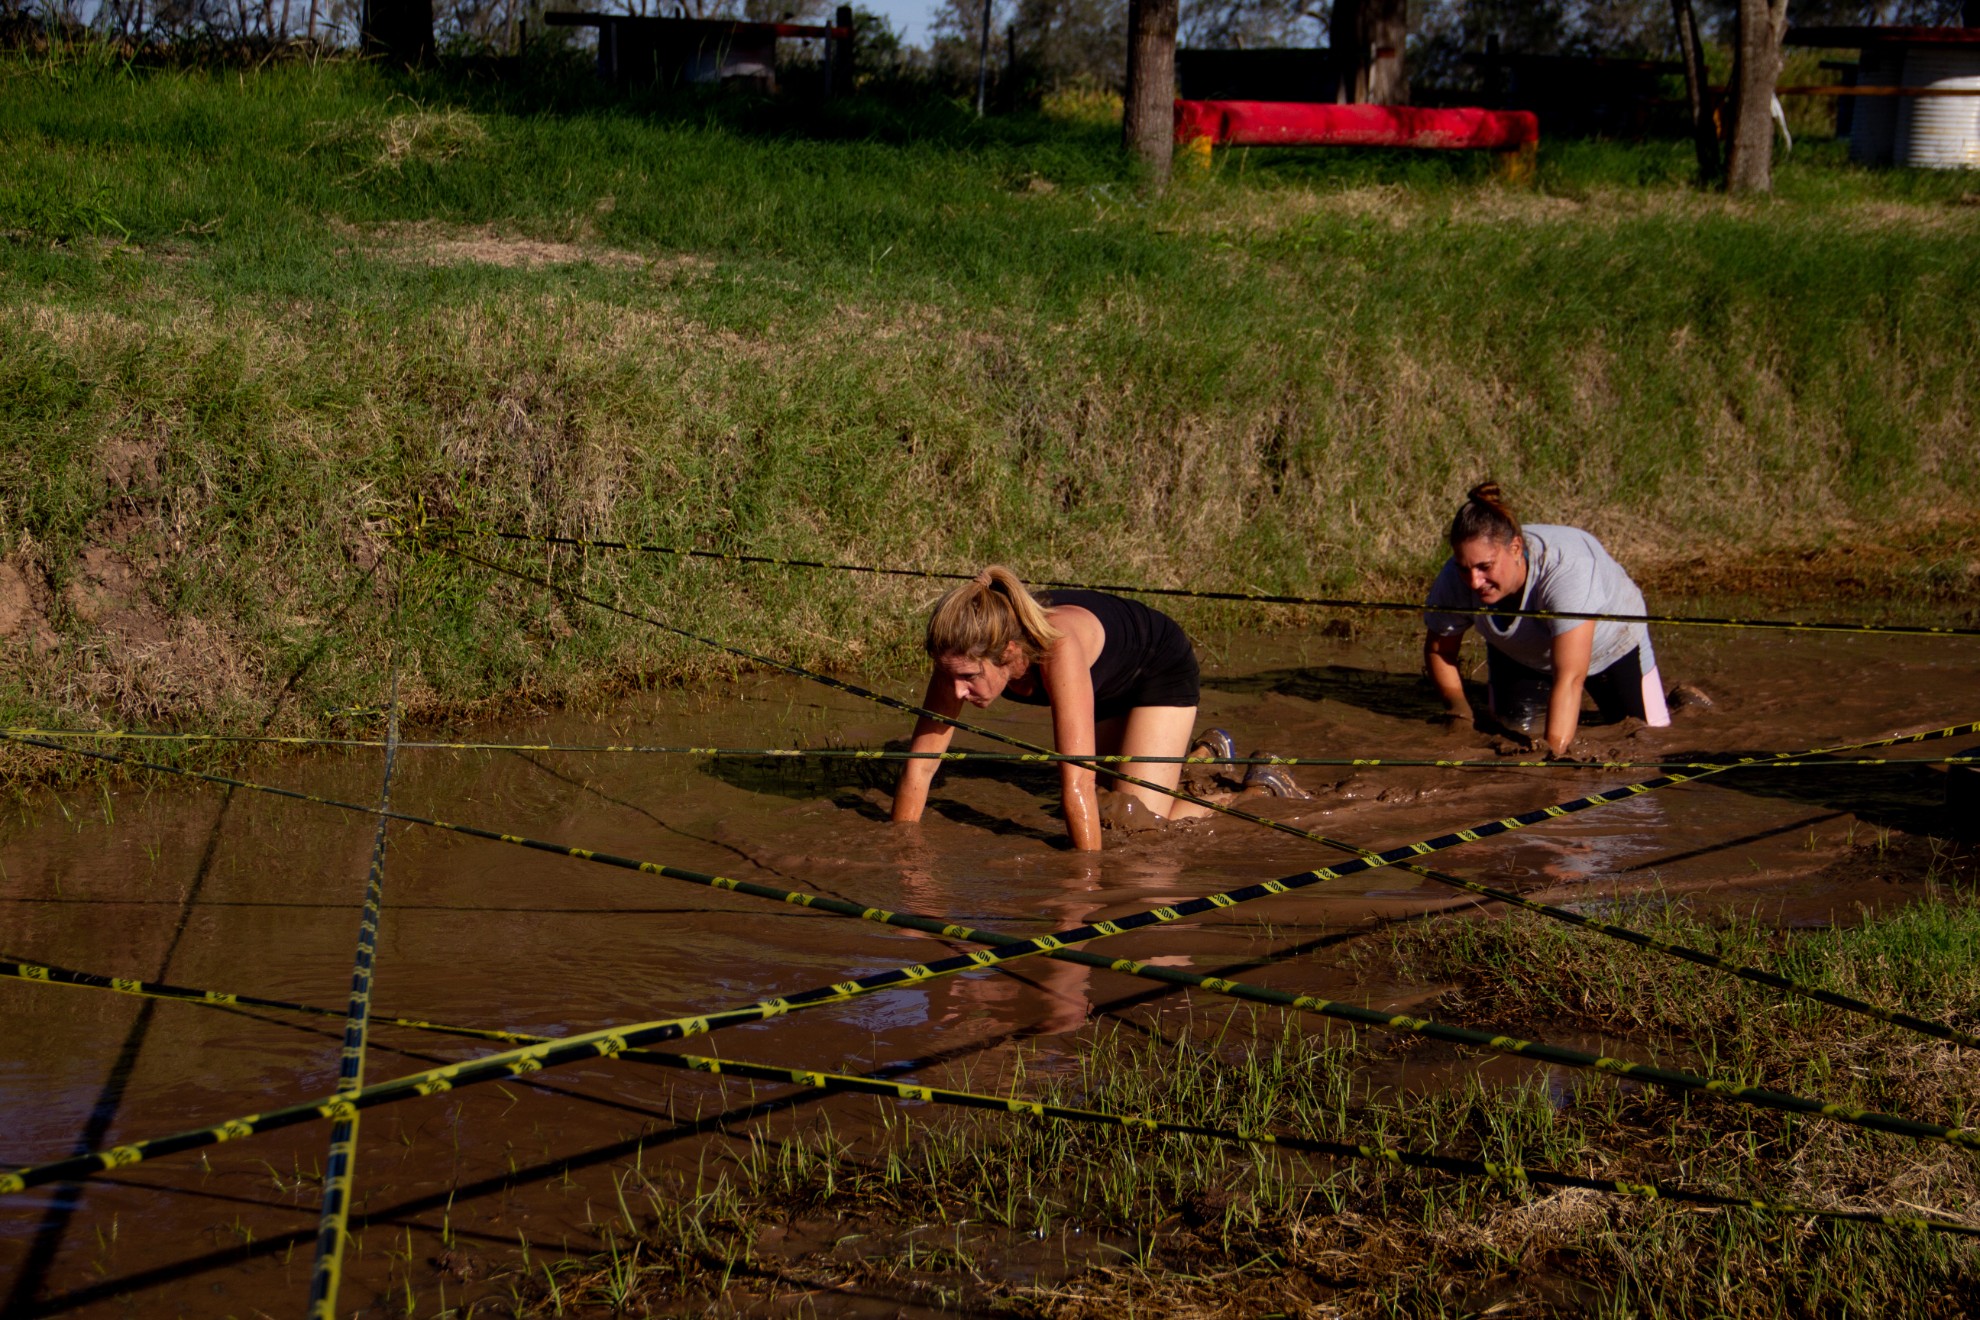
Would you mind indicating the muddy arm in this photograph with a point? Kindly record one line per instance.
(1440, 661)
(911, 793)
(1572, 650)
(1069, 679)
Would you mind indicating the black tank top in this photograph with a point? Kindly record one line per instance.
(1140, 643)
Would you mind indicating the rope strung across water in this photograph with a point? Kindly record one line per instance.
(611, 1041)
(1364, 861)
(1472, 835)
(423, 532)
(1013, 946)
(1509, 1174)
(1770, 762)
(49, 974)
(333, 1224)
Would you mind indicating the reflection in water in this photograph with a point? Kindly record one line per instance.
(485, 934)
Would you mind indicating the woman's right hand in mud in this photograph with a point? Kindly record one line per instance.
(1453, 721)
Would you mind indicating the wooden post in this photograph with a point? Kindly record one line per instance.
(1517, 168)
(1008, 94)
(400, 30)
(841, 75)
(1704, 136)
(1148, 120)
(1367, 38)
(983, 62)
(1756, 68)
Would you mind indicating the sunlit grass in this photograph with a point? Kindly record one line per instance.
(992, 1211)
(248, 312)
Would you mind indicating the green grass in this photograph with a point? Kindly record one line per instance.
(999, 1214)
(249, 312)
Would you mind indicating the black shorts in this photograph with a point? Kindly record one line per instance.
(1169, 676)
(1520, 694)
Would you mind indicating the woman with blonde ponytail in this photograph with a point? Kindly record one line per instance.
(1120, 678)
(1538, 668)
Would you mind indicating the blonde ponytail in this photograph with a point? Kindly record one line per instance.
(982, 617)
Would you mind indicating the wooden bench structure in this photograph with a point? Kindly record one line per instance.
(677, 51)
(1515, 134)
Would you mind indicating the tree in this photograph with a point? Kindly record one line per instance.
(1691, 50)
(1148, 121)
(399, 30)
(1756, 69)
(1367, 38)
(1060, 43)
(1251, 24)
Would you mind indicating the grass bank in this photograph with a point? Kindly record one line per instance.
(244, 316)
(990, 1214)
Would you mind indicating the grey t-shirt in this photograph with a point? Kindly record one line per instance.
(1566, 569)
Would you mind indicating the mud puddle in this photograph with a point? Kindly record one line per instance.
(245, 893)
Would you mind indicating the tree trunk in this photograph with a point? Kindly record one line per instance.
(399, 30)
(1704, 136)
(1367, 39)
(1756, 69)
(983, 62)
(1148, 121)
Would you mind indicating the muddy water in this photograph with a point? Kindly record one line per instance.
(251, 894)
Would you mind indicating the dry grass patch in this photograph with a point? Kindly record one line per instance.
(429, 243)
(380, 142)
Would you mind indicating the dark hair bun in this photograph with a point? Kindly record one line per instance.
(1484, 513)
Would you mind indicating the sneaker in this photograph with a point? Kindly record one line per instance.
(1274, 779)
(1209, 769)
(1215, 746)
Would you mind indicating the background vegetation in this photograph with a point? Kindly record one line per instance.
(248, 316)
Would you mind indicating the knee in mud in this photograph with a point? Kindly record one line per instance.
(1127, 813)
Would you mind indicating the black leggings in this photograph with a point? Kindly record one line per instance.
(1520, 694)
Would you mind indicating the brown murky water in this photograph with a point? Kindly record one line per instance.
(251, 894)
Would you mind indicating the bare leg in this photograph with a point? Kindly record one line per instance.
(1159, 731)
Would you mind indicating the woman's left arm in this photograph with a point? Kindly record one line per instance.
(1068, 679)
(1572, 651)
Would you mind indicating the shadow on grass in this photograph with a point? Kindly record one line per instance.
(897, 111)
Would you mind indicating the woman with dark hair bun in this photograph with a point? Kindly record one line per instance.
(1538, 668)
(1121, 679)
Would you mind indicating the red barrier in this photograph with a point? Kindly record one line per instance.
(1307, 124)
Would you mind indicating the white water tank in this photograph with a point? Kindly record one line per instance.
(1874, 121)
(1940, 132)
